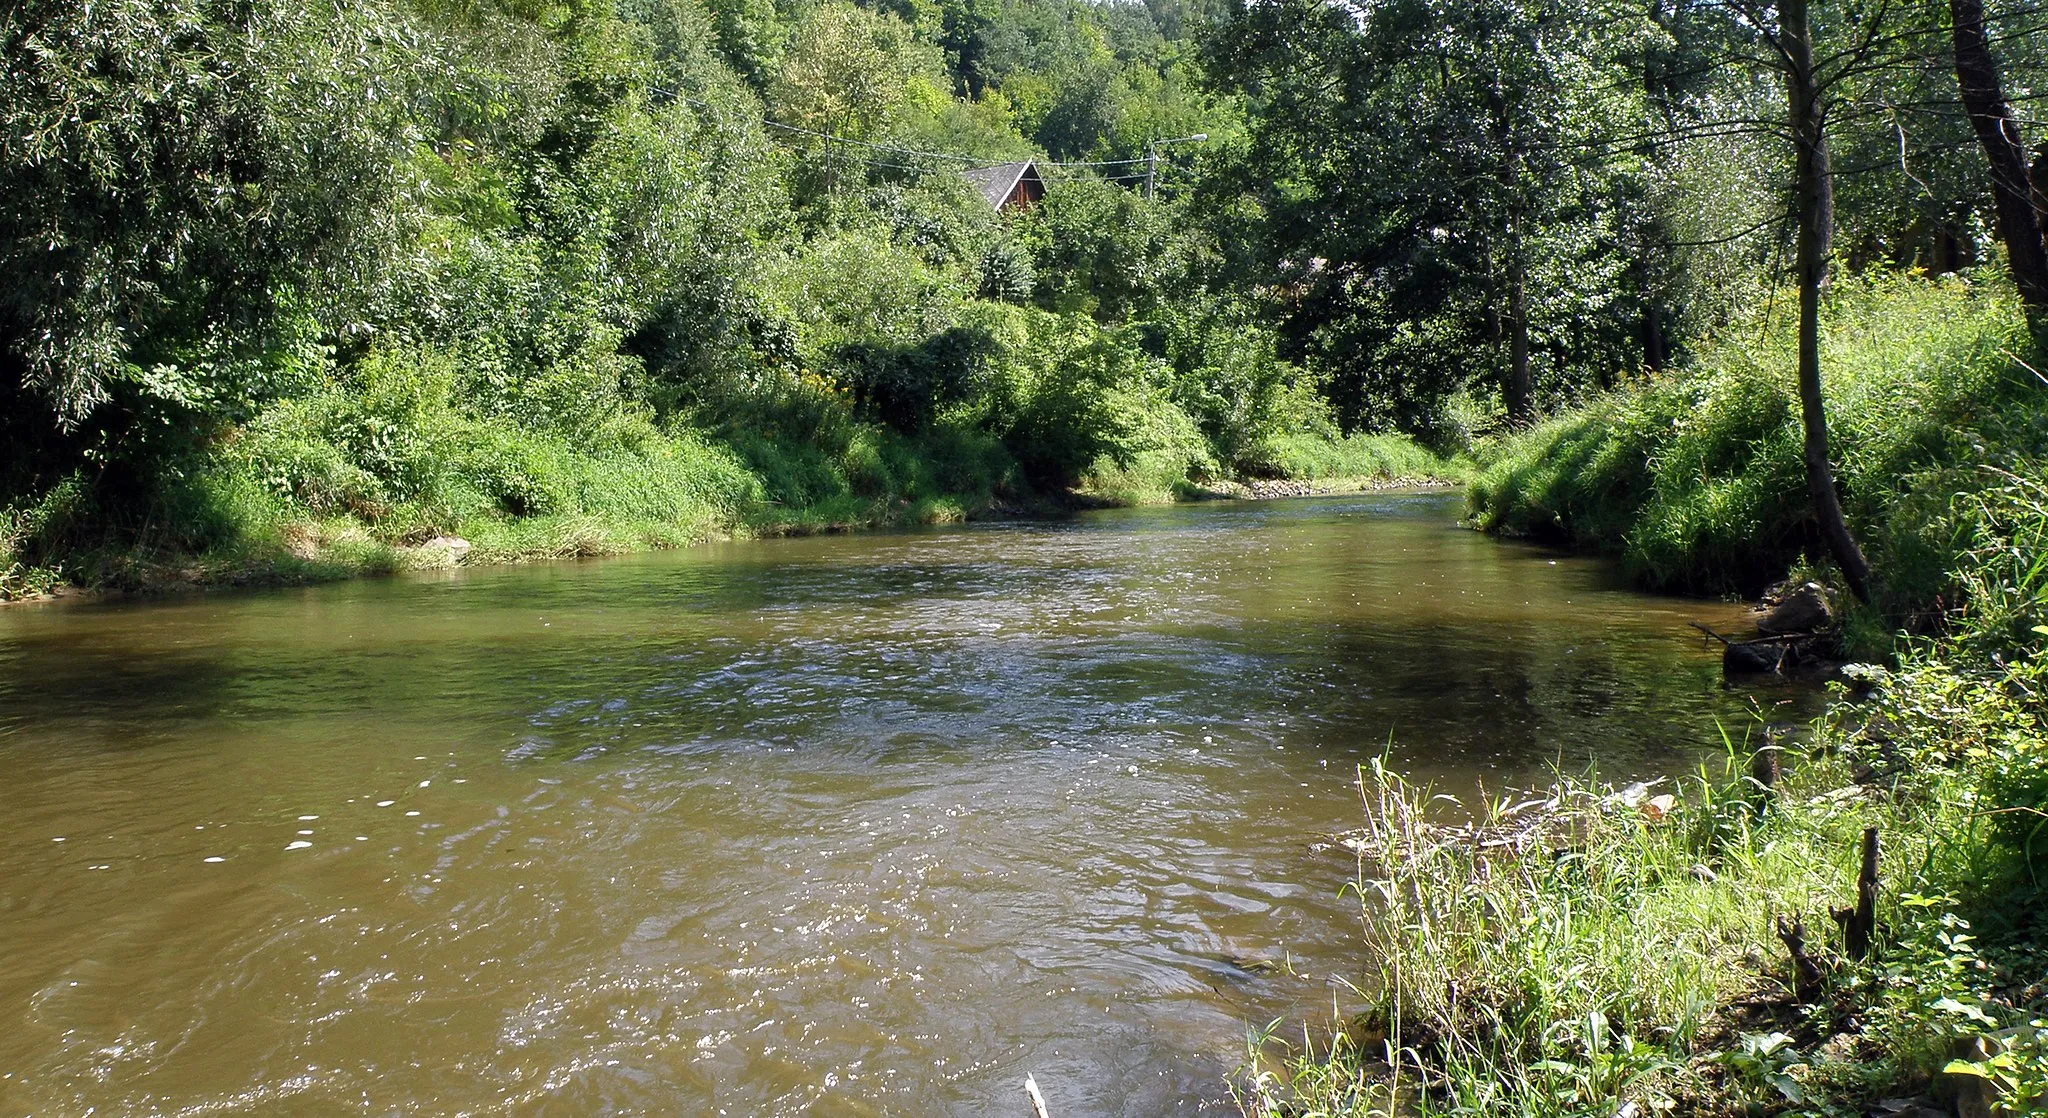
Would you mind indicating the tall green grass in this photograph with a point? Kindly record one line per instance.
(1579, 951)
(1313, 456)
(1694, 478)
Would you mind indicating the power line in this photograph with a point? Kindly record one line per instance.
(1095, 163)
(973, 163)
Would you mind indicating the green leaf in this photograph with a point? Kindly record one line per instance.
(1764, 1045)
(1950, 1005)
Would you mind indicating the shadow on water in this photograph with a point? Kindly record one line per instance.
(872, 823)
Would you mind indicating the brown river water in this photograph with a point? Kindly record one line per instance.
(847, 825)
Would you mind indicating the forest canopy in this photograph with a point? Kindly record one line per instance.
(415, 266)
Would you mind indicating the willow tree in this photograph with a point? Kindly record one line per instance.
(174, 170)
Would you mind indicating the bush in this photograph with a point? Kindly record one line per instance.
(1246, 399)
(388, 447)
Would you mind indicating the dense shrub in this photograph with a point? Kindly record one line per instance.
(389, 447)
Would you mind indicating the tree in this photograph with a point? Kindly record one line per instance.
(1865, 44)
(844, 70)
(2019, 196)
(1429, 161)
(175, 168)
(1813, 189)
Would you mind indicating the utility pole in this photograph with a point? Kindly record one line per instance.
(1152, 159)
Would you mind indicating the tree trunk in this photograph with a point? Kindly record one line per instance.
(2015, 194)
(1653, 337)
(1520, 396)
(1816, 194)
(2041, 186)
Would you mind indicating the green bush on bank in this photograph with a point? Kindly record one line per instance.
(389, 447)
(1695, 480)
(1316, 456)
(409, 443)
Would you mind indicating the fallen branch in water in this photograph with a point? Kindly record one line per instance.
(1037, 1100)
(1702, 628)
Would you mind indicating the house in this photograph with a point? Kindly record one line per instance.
(1008, 186)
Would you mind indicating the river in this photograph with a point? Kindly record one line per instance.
(845, 825)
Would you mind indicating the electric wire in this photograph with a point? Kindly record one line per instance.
(972, 163)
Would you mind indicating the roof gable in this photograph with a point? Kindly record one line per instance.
(997, 183)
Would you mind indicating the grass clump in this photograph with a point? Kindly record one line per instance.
(18, 579)
(1583, 951)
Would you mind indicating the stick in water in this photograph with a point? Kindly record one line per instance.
(1037, 1100)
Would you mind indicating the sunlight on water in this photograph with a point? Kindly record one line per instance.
(857, 824)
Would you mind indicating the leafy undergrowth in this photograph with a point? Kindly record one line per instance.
(1626, 951)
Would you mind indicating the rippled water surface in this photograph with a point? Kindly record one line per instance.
(851, 825)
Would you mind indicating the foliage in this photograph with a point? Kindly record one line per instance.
(1098, 249)
(177, 170)
(289, 282)
(1423, 192)
(1354, 456)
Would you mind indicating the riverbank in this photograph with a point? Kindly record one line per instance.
(1709, 945)
(1584, 949)
(282, 542)
(1693, 478)
(1273, 489)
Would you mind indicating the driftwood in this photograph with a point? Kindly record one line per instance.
(1806, 979)
(1037, 1100)
(1773, 638)
(1762, 656)
(1860, 922)
(1773, 654)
